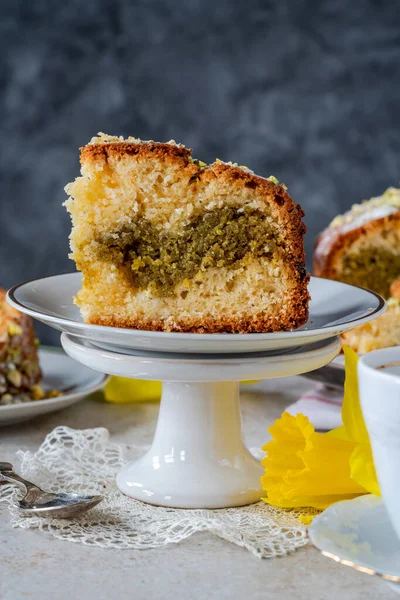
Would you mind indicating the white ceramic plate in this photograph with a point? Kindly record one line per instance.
(358, 534)
(335, 307)
(61, 373)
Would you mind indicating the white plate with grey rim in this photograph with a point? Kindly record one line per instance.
(61, 373)
(334, 308)
(358, 533)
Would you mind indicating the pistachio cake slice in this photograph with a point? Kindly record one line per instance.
(20, 373)
(168, 243)
(362, 247)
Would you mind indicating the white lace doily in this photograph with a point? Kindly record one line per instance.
(85, 461)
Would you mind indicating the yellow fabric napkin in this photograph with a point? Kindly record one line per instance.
(121, 390)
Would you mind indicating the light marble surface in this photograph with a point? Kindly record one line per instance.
(35, 566)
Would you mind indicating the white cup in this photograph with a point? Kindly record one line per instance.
(379, 387)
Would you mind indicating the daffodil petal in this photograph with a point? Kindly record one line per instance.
(362, 468)
(352, 416)
(340, 433)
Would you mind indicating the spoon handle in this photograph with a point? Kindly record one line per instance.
(5, 466)
(20, 481)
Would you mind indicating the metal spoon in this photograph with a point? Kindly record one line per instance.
(37, 502)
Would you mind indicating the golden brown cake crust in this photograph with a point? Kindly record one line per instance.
(167, 152)
(171, 153)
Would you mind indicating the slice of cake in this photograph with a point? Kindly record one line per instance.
(362, 247)
(382, 332)
(168, 243)
(20, 373)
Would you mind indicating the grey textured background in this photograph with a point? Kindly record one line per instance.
(307, 91)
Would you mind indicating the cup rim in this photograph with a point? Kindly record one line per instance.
(374, 359)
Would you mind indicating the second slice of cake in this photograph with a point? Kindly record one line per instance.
(167, 243)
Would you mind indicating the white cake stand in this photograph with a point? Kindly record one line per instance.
(197, 458)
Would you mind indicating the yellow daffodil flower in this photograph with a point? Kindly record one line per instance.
(304, 468)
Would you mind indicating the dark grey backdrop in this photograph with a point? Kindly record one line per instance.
(307, 91)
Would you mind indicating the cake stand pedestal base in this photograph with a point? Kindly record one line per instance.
(198, 458)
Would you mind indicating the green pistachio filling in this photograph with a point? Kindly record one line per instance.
(218, 238)
(375, 269)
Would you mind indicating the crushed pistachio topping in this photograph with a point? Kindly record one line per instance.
(391, 197)
(218, 161)
(13, 328)
(197, 162)
(53, 394)
(37, 392)
(273, 179)
(104, 138)
(15, 377)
